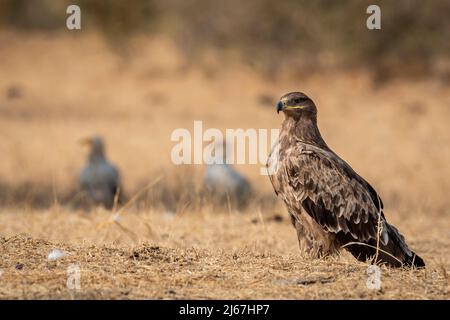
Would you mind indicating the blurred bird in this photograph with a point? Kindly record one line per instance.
(224, 184)
(99, 178)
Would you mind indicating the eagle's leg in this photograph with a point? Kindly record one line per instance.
(305, 241)
(312, 239)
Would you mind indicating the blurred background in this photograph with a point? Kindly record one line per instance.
(138, 70)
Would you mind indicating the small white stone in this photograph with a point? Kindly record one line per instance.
(117, 217)
(169, 215)
(55, 255)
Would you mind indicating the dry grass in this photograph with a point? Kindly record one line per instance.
(193, 255)
(56, 88)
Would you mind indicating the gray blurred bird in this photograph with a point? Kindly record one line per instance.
(99, 178)
(225, 185)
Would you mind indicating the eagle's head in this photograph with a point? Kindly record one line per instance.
(296, 104)
(96, 145)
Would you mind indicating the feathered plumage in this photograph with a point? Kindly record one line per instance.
(224, 184)
(99, 178)
(330, 205)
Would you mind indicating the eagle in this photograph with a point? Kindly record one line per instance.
(330, 205)
(224, 184)
(99, 178)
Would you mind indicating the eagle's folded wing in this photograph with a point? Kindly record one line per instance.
(333, 194)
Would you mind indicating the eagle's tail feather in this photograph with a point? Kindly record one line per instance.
(395, 252)
(397, 247)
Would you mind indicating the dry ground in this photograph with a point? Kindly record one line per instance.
(55, 89)
(152, 255)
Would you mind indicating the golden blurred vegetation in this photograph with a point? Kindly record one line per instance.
(270, 35)
(147, 67)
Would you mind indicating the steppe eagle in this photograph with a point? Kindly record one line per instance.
(330, 205)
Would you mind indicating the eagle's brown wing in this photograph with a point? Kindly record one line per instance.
(332, 193)
(342, 202)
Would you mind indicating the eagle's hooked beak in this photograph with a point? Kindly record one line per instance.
(280, 106)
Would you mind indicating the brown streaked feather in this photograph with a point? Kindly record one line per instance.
(330, 191)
